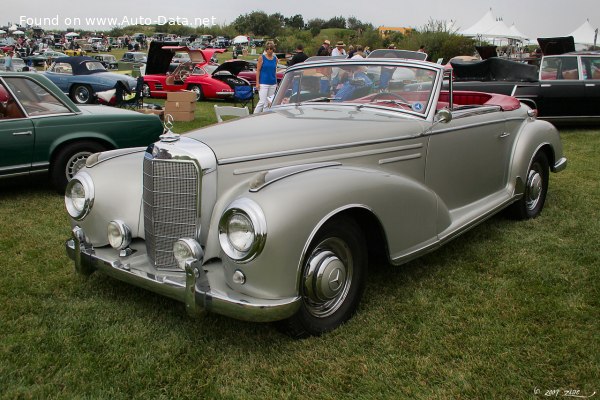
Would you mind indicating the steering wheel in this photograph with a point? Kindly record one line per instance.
(383, 95)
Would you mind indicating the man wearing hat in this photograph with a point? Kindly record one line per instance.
(324, 49)
(339, 49)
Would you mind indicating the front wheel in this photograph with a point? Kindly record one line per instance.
(69, 160)
(333, 279)
(198, 90)
(536, 187)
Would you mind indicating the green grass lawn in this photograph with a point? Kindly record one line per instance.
(510, 310)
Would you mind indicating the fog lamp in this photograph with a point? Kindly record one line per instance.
(119, 234)
(187, 249)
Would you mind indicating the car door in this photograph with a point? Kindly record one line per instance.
(591, 69)
(468, 158)
(562, 92)
(16, 135)
(61, 75)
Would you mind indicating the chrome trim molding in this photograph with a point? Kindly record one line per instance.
(266, 178)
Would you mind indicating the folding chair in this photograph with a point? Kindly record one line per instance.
(230, 111)
(244, 95)
(137, 101)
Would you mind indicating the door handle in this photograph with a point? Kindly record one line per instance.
(590, 85)
(24, 133)
(504, 134)
(545, 85)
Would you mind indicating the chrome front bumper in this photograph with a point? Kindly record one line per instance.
(201, 288)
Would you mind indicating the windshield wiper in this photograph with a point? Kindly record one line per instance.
(323, 99)
(396, 102)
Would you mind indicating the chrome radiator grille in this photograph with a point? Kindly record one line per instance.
(170, 206)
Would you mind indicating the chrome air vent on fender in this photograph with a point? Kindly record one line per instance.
(172, 195)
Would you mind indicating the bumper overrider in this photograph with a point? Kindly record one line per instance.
(201, 288)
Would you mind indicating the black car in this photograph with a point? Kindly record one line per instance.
(108, 60)
(565, 87)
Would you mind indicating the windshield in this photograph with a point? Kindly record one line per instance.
(404, 87)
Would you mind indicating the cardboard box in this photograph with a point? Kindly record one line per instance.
(181, 115)
(179, 106)
(182, 96)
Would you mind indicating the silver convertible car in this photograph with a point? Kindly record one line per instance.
(276, 216)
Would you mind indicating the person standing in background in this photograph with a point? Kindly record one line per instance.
(324, 49)
(8, 61)
(266, 78)
(339, 49)
(299, 57)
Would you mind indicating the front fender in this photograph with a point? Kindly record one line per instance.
(297, 206)
(118, 195)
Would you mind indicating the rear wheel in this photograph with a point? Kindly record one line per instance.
(536, 187)
(69, 160)
(333, 279)
(82, 94)
(198, 90)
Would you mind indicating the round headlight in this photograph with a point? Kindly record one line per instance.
(79, 196)
(119, 235)
(242, 230)
(185, 249)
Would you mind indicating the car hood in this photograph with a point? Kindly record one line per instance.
(233, 66)
(161, 54)
(494, 69)
(556, 45)
(296, 130)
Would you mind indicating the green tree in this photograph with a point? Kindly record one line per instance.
(315, 25)
(295, 22)
(335, 22)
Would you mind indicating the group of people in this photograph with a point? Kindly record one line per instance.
(340, 51)
(266, 78)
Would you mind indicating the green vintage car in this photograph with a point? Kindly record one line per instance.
(41, 129)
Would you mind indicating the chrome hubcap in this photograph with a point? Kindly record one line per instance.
(196, 90)
(82, 94)
(534, 189)
(76, 162)
(328, 277)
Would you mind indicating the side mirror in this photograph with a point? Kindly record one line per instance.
(444, 115)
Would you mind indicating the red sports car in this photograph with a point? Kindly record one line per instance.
(208, 80)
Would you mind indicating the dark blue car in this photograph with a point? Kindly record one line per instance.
(81, 78)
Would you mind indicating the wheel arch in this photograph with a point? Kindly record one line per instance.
(58, 146)
(369, 223)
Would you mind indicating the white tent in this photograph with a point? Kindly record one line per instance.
(71, 34)
(516, 33)
(585, 34)
(491, 27)
(240, 39)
